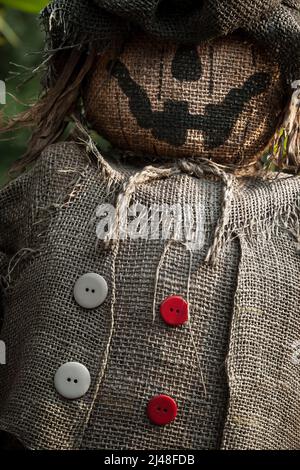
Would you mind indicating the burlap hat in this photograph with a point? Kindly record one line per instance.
(273, 23)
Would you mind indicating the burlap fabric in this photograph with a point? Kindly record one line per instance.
(244, 311)
(274, 23)
(220, 100)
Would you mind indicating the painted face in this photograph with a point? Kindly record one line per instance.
(219, 100)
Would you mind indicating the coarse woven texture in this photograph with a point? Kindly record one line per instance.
(274, 23)
(220, 100)
(244, 311)
(44, 327)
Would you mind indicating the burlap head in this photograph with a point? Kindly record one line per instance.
(220, 100)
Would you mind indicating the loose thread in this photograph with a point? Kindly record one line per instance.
(166, 249)
(199, 170)
(148, 174)
(190, 327)
(109, 340)
(16, 259)
(220, 230)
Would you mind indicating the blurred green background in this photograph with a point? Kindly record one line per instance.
(21, 46)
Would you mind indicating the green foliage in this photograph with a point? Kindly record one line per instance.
(275, 157)
(6, 32)
(28, 6)
(6, 29)
(27, 55)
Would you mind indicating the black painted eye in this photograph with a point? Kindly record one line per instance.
(186, 65)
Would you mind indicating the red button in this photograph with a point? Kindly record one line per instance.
(174, 310)
(162, 410)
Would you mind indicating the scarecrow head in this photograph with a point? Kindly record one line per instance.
(221, 99)
(177, 78)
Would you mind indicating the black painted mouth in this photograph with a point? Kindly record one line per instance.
(172, 124)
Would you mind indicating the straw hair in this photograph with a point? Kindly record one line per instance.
(49, 116)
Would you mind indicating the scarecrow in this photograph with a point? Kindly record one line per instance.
(150, 288)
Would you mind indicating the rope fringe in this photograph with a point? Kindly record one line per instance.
(150, 174)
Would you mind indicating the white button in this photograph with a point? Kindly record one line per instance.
(90, 290)
(72, 380)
